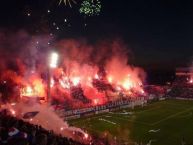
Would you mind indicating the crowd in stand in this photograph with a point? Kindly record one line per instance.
(77, 93)
(181, 88)
(111, 105)
(181, 92)
(180, 80)
(17, 132)
(183, 81)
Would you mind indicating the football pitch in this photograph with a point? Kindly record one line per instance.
(166, 122)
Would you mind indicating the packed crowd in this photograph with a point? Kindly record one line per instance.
(77, 93)
(181, 88)
(111, 106)
(183, 81)
(180, 80)
(181, 92)
(17, 132)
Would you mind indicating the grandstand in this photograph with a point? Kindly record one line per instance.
(184, 76)
(124, 120)
(182, 87)
(14, 131)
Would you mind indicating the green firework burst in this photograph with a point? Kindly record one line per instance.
(90, 7)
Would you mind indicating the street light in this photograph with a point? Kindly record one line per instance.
(53, 63)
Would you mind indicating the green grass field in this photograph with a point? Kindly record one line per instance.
(172, 119)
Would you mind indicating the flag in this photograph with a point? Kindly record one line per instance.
(29, 115)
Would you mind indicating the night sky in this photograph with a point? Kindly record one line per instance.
(159, 33)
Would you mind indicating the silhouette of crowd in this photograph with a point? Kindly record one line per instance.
(14, 131)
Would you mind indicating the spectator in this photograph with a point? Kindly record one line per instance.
(17, 132)
(41, 139)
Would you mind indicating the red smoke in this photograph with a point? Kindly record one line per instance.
(91, 74)
(33, 87)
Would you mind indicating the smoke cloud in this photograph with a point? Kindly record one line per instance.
(87, 74)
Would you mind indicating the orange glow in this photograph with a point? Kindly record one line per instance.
(82, 73)
(110, 79)
(96, 101)
(86, 135)
(27, 91)
(96, 76)
(61, 128)
(34, 88)
(191, 80)
(118, 88)
(127, 84)
(51, 82)
(12, 111)
(64, 83)
(75, 81)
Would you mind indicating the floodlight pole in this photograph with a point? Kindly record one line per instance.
(48, 86)
(53, 60)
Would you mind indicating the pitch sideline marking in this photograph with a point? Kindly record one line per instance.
(169, 103)
(76, 122)
(171, 116)
(154, 108)
(132, 121)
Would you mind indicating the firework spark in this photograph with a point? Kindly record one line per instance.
(90, 7)
(67, 2)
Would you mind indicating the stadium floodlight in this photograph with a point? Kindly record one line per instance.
(53, 63)
(53, 60)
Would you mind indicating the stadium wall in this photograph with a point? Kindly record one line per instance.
(78, 113)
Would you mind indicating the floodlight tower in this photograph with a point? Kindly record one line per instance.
(53, 60)
(53, 63)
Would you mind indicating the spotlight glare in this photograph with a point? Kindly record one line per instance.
(53, 60)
